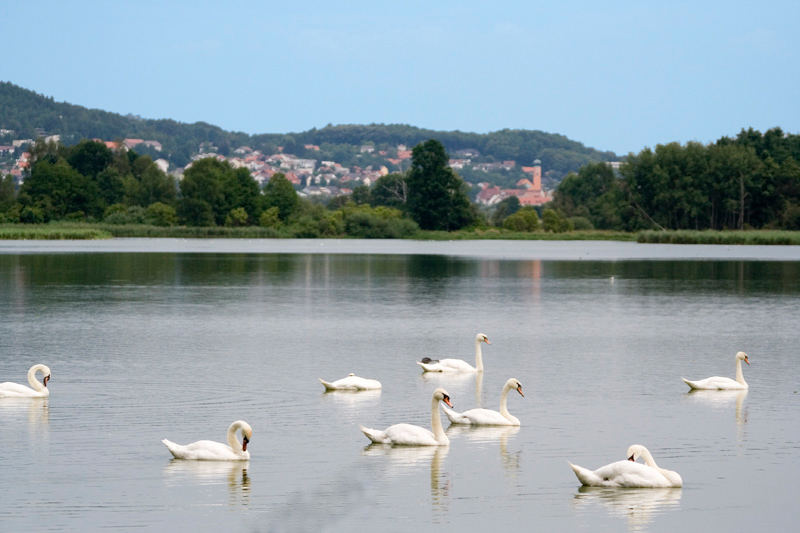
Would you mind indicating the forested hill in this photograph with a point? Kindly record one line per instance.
(30, 114)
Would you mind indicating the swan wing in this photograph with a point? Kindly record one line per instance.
(715, 383)
(205, 450)
(447, 365)
(486, 417)
(622, 474)
(410, 435)
(15, 390)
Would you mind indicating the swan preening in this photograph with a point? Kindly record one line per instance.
(351, 383)
(487, 417)
(722, 383)
(207, 450)
(456, 365)
(629, 473)
(411, 435)
(36, 390)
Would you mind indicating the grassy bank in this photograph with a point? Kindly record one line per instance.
(720, 237)
(48, 232)
(75, 230)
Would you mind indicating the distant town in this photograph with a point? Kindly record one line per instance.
(313, 177)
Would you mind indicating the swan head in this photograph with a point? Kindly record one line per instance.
(635, 451)
(481, 337)
(743, 356)
(514, 383)
(247, 433)
(442, 396)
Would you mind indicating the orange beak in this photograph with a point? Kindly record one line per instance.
(746, 360)
(486, 340)
(519, 390)
(447, 401)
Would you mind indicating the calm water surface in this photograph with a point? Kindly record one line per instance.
(150, 339)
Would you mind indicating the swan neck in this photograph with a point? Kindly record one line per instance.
(739, 374)
(478, 356)
(648, 459)
(32, 381)
(436, 422)
(233, 442)
(504, 402)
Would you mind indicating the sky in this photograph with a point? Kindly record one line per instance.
(613, 75)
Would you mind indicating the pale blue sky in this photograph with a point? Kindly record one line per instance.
(616, 76)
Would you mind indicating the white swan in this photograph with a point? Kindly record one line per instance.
(487, 417)
(629, 473)
(351, 383)
(456, 365)
(721, 383)
(36, 390)
(410, 435)
(207, 450)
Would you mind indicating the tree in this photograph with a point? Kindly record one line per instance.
(504, 209)
(525, 219)
(7, 193)
(89, 157)
(280, 193)
(204, 184)
(437, 197)
(390, 190)
(59, 189)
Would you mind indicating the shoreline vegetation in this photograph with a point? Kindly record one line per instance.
(88, 231)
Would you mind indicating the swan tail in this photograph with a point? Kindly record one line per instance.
(584, 475)
(328, 386)
(375, 435)
(454, 416)
(171, 446)
(429, 366)
(692, 384)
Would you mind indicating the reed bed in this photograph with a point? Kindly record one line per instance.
(760, 237)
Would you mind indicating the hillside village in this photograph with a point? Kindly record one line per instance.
(314, 177)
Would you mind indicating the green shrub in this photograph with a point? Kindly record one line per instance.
(31, 215)
(270, 218)
(580, 223)
(525, 219)
(161, 214)
(237, 217)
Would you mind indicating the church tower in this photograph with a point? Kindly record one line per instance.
(537, 175)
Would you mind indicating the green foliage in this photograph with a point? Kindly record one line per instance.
(237, 217)
(269, 218)
(390, 190)
(580, 223)
(195, 212)
(58, 189)
(524, 219)
(280, 193)
(503, 209)
(437, 197)
(161, 214)
(377, 223)
(31, 215)
(553, 221)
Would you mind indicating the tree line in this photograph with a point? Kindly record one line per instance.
(750, 181)
(91, 182)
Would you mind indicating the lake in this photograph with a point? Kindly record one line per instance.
(168, 338)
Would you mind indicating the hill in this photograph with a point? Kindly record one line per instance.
(30, 115)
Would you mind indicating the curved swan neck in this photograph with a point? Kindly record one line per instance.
(478, 356)
(504, 401)
(436, 422)
(32, 381)
(233, 442)
(648, 459)
(739, 374)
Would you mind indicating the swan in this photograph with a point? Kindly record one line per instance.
(487, 417)
(207, 450)
(629, 473)
(410, 435)
(456, 365)
(351, 383)
(721, 383)
(36, 390)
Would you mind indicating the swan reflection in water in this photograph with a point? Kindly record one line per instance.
(638, 506)
(36, 410)
(351, 398)
(490, 434)
(231, 473)
(723, 399)
(403, 458)
(457, 381)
